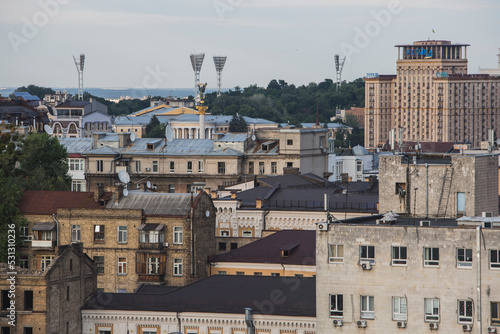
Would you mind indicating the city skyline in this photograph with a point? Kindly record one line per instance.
(148, 45)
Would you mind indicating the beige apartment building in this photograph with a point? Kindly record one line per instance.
(431, 98)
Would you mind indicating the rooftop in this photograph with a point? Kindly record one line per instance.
(219, 294)
(285, 247)
(37, 202)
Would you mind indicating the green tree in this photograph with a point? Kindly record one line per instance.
(155, 129)
(36, 90)
(238, 124)
(43, 164)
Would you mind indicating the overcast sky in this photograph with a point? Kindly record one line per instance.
(147, 43)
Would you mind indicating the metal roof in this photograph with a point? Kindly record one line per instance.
(44, 226)
(76, 145)
(165, 204)
(233, 137)
(26, 96)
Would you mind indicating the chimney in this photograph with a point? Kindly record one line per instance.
(96, 137)
(258, 203)
(123, 139)
(118, 193)
(345, 178)
(98, 192)
(213, 194)
(233, 194)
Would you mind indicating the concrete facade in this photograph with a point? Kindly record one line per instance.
(450, 185)
(448, 281)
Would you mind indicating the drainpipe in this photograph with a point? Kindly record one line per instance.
(57, 229)
(249, 321)
(426, 190)
(193, 274)
(478, 278)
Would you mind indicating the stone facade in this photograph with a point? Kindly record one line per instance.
(450, 282)
(50, 301)
(447, 185)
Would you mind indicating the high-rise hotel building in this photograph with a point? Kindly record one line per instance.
(431, 98)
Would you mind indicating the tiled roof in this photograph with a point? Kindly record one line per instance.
(269, 249)
(35, 202)
(221, 294)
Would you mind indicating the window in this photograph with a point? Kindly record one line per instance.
(234, 245)
(494, 259)
(5, 299)
(122, 234)
(155, 166)
(222, 272)
(76, 233)
(464, 257)
(99, 264)
(137, 166)
(367, 307)
(241, 273)
(274, 167)
(399, 256)
(178, 234)
(78, 185)
(399, 308)
(431, 257)
(99, 233)
(67, 292)
(246, 234)
(221, 167)
(465, 309)
(76, 164)
(151, 237)
(177, 267)
(431, 309)
(23, 261)
(275, 274)
(189, 167)
(289, 141)
(46, 235)
(222, 246)
(153, 265)
(495, 313)
(257, 273)
(28, 300)
(224, 233)
(367, 253)
(200, 166)
(100, 165)
(289, 164)
(335, 253)
(261, 167)
(336, 305)
(28, 330)
(122, 266)
(45, 261)
(359, 166)
(171, 166)
(250, 167)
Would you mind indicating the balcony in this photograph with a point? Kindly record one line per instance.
(43, 243)
(152, 246)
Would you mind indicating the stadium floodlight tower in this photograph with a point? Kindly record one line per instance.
(79, 68)
(339, 65)
(196, 62)
(219, 62)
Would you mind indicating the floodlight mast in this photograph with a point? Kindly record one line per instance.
(339, 65)
(219, 62)
(79, 67)
(196, 62)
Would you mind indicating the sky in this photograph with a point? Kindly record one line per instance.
(146, 44)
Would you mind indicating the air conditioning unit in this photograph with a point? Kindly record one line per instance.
(361, 323)
(337, 323)
(365, 265)
(492, 329)
(467, 328)
(323, 226)
(30, 237)
(433, 325)
(166, 244)
(401, 324)
(148, 169)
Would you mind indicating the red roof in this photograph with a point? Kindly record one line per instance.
(36, 202)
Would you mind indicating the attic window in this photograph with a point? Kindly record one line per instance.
(285, 253)
(150, 146)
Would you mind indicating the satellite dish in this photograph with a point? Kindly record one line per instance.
(253, 137)
(132, 136)
(169, 133)
(125, 192)
(48, 129)
(123, 176)
(148, 184)
(498, 142)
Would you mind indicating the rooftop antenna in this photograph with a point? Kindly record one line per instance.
(196, 62)
(219, 62)
(79, 68)
(339, 65)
